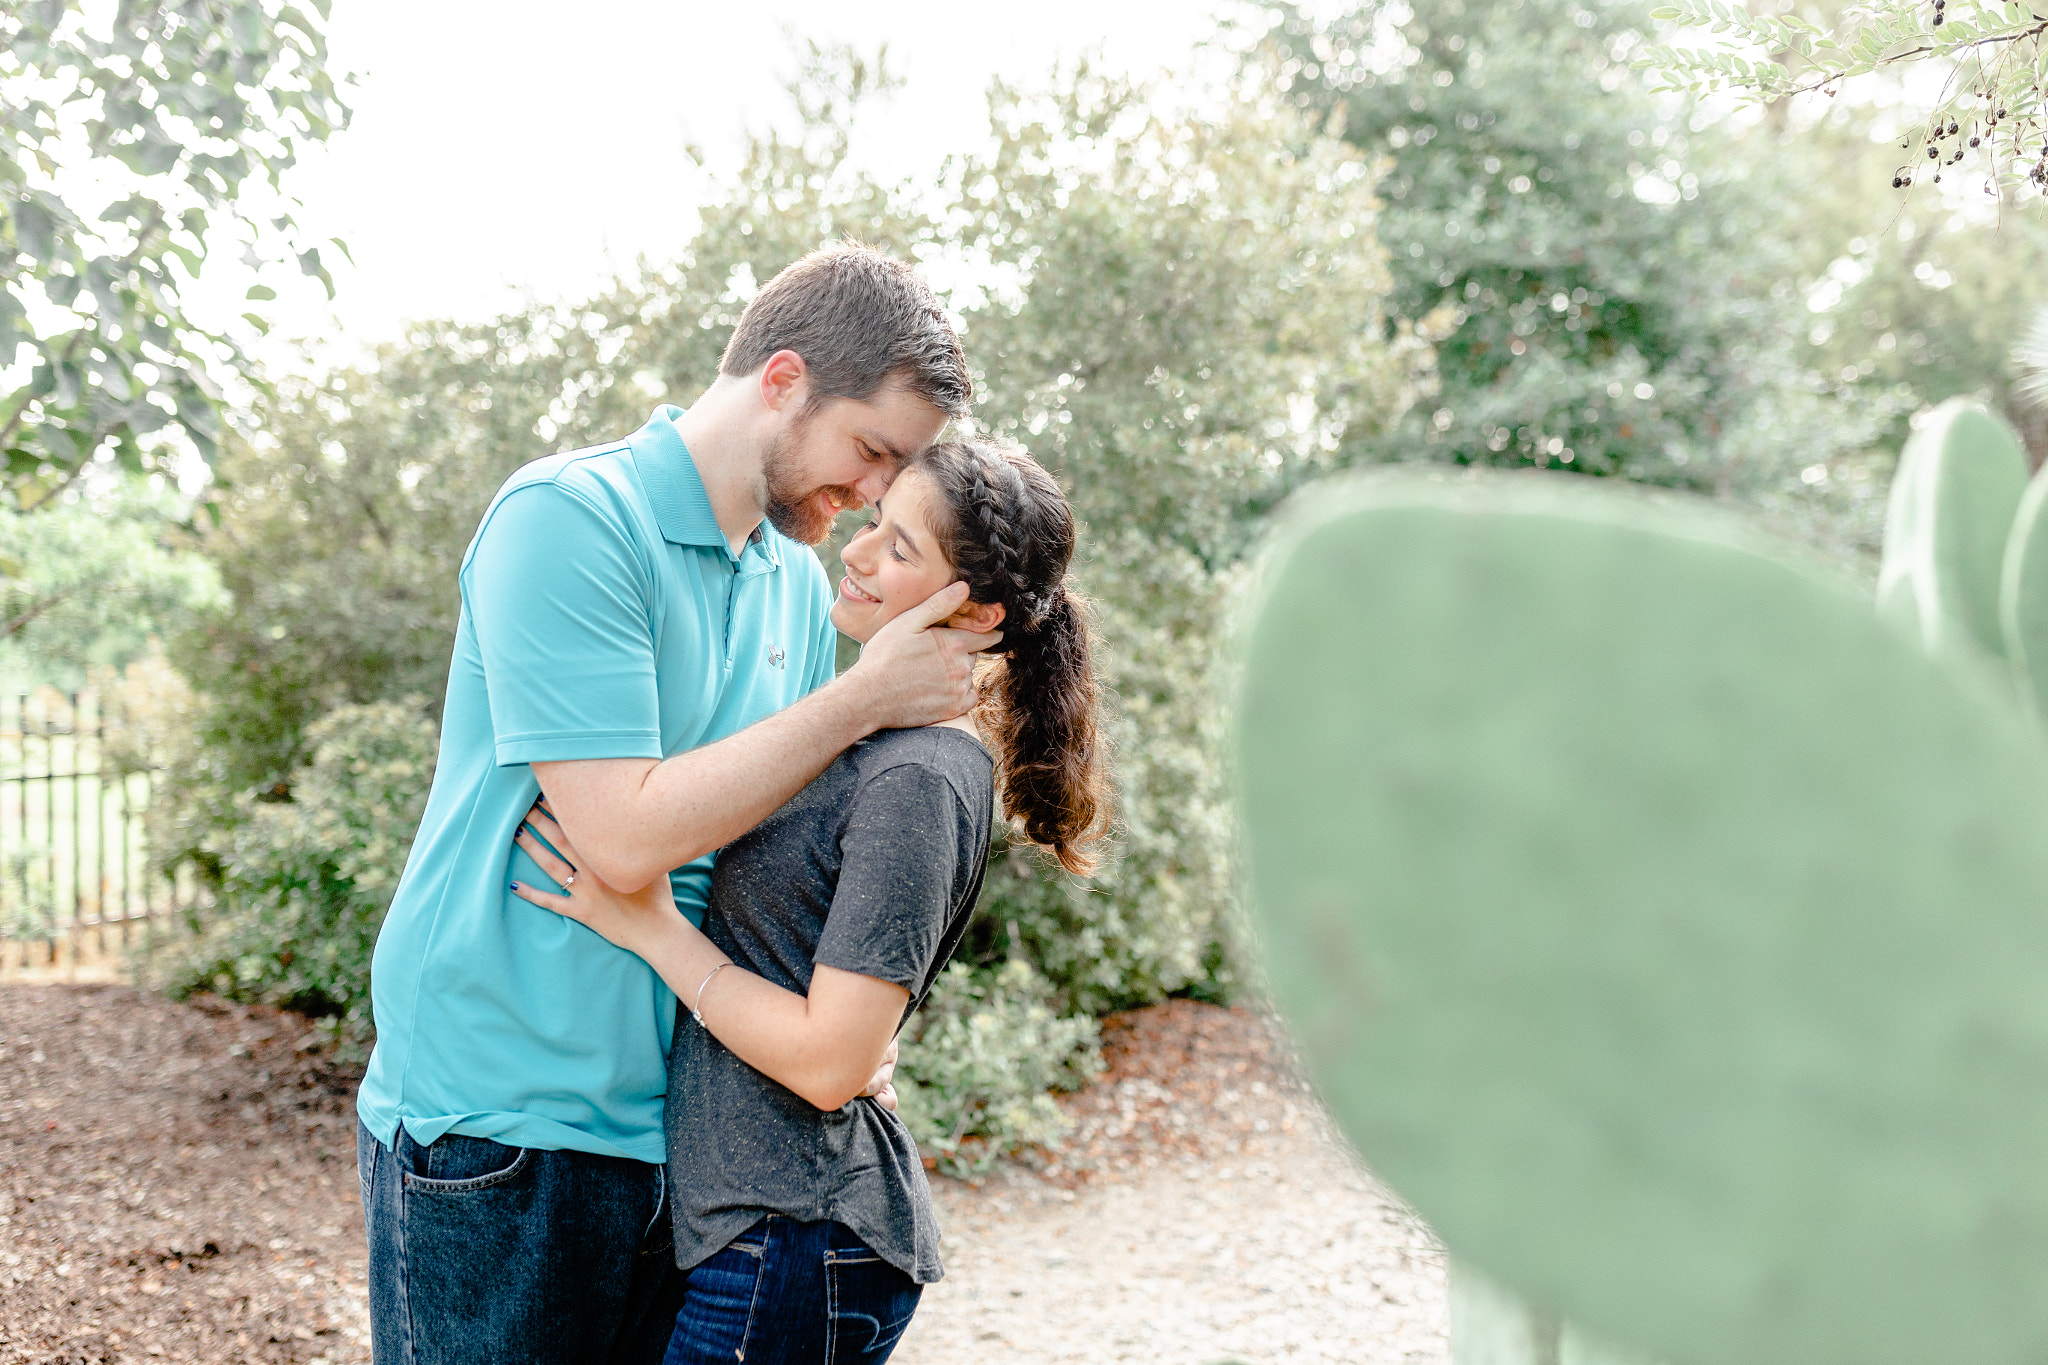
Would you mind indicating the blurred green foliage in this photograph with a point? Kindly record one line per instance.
(128, 135)
(87, 578)
(1618, 285)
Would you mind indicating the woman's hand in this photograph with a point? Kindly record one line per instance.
(766, 1026)
(632, 922)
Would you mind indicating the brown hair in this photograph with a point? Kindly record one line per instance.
(859, 319)
(1006, 527)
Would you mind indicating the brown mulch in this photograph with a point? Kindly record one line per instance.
(177, 1182)
(1182, 1080)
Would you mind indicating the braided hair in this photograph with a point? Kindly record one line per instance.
(1006, 528)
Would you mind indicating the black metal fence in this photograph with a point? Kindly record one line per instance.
(75, 785)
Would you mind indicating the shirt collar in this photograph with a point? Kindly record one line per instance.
(676, 493)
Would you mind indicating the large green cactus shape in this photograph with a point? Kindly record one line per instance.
(1668, 929)
(2023, 596)
(1958, 484)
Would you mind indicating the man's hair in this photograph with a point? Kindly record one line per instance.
(860, 320)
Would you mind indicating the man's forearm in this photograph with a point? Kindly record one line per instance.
(636, 819)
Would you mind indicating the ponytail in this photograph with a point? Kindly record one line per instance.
(1040, 709)
(1007, 530)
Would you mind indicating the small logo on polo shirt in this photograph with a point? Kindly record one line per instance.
(775, 657)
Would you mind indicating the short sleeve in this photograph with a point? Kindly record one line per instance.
(557, 595)
(898, 877)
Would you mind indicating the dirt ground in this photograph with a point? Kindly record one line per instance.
(177, 1184)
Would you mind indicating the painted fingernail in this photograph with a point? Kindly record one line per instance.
(515, 886)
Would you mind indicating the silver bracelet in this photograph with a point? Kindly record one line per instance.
(697, 1010)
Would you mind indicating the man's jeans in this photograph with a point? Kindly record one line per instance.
(485, 1253)
(790, 1293)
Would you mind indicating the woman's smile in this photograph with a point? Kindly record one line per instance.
(851, 593)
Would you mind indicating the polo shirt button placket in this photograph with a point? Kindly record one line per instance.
(732, 602)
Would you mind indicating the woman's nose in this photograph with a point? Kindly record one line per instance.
(855, 555)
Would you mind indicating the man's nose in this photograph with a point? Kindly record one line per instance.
(875, 485)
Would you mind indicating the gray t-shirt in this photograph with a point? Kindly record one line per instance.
(873, 868)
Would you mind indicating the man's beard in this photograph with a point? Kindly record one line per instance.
(792, 507)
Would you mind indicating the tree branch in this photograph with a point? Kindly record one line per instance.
(2013, 37)
(8, 631)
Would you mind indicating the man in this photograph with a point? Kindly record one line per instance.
(636, 644)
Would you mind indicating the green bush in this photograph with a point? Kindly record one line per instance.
(28, 906)
(305, 883)
(979, 1059)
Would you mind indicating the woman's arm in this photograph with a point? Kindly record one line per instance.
(826, 1046)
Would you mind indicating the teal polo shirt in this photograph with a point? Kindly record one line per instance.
(603, 616)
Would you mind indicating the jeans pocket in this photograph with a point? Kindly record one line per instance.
(868, 1306)
(472, 1167)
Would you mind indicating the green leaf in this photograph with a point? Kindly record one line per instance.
(14, 328)
(309, 263)
(35, 229)
(261, 291)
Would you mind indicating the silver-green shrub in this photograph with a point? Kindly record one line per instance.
(979, 1060)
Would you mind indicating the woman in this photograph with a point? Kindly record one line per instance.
(802, 1215)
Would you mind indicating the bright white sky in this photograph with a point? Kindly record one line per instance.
(507, 147)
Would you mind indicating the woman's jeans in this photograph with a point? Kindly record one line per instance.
(790, 1293)
(481, 1252)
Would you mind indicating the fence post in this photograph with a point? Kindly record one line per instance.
(99, 816)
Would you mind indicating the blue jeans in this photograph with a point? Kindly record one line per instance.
(481, 1252)
(790, 1293)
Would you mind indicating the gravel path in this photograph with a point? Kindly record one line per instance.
(177, 1183)
(1295, 1257)
(1202, 1211)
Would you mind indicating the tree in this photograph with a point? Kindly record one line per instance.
(1605, 277)
(180, 104)
(88, 580)
(1991, 55)
(1192, 327)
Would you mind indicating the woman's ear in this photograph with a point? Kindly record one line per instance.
(979, 617)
